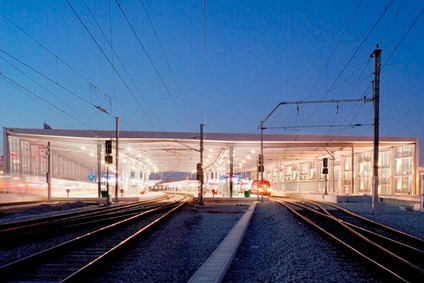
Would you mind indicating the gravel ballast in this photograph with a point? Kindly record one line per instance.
(277, 248)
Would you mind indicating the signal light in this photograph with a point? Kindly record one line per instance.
(108, 146)
(199, 172)
(108, 159)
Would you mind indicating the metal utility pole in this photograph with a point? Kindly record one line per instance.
(325, 172)
(376, 54)
(261, 162)
(117, 160)
(49, 176)
(201, 165)
(99, 169)
(231, 153)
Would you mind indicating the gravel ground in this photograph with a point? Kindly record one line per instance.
(277, 248)
(398, 217)
(175, 251)
(43, 210)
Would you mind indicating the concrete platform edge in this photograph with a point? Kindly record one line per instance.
(215, 267)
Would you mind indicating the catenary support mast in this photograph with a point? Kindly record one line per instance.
(376, 54)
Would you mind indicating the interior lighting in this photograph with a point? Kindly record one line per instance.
(91, 154)
(83, 148)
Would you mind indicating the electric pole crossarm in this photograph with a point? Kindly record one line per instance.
(317, 126)
(326, 101)
(269, 115)
(313, 102)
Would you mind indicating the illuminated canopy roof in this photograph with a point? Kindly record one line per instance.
(179, 152)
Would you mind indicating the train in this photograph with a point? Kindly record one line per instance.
(261, 187)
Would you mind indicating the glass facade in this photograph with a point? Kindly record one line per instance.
(396, 173)
(404, 164)
(31, 160)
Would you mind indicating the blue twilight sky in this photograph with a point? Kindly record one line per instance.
(145, 61)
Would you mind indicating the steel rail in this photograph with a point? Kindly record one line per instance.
(92, 242)
(83, 271)
(371, 222)
(414, 271)
(15, 230)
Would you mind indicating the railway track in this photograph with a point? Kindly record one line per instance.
(16, 233)
(396, 255)
(74, 259)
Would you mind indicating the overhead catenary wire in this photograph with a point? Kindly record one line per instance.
(394, 49)
(107, 58)
(149, 58)
(53, 81)
(152, 63)
(352, 56)
(335, 47)
(403, 37)
(39, 98)
(363, 67)
(46, 77)
(204, 63)
(47, 90)
(391, 23)
(47, 49)
(318, 126)
(164, 54)
(344, 68)
(381, 40)
(56, 82)
(151, 118)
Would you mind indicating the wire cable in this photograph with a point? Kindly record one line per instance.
(164, 54)
(336, 46)
(62, 61)
(391, 22)
(353, 55)
(45, 76)
(122, 64)
(204, 63)
(359, 47)
(47, 49)
(403, 37)
(107, 58)
(44, 88)
(149, 58)
(27, 92)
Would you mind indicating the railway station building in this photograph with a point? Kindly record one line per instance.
(292, 163)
